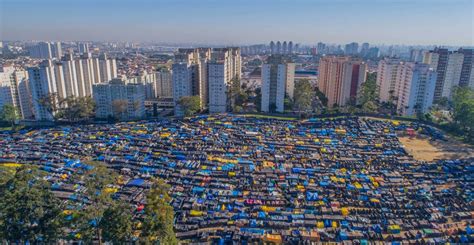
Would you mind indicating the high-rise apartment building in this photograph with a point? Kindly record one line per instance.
(284, 48)
(164, 86)
(149, 81)
(107, 67)
(467, 70)
(278, 81)
(189, 76)
(278, 47)
(281, 48)
(46, 50)
(205, 73)
(272, 47)
(351, 48)
(83, 48)
(415, 89)
(14, 90)
(119, 99)
(69, 76)
(373, 53)
(42, 82)
(417, 55)
(438, 60)
(364, 50)
(224, 68)
(41, 50)
(56, 50)
(387, 77)
(453, 69)
(340, 78)
(91, 72)
(290, 47)
(452, 75)
(410, 86)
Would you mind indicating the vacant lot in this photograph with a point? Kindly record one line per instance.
(423, 149)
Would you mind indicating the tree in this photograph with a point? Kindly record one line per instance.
(238, 108)
(392, 102)
(51, 102)
(370, 107)
(272, 107)
(234, 92)
(119, 107)
(258, 99)
(116, 224)
(29, 212)
(241, 98)
(463, 111)
(159, 215)
(97, 177)
(75, 109)
(190, 105)
(303, 96)
(368, 94)
(9, 113)
(322, 97)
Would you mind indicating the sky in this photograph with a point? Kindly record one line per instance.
(423, 22)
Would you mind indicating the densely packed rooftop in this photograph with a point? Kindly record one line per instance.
(240, 178)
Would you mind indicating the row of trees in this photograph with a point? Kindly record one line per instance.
(30, 212)
(72, 109)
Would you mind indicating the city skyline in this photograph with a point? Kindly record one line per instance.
(241, 22)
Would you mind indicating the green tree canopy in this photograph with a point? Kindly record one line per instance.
(51, 102)
(190, 105)
(303, 96)
(95, 200)
(75, 109)
(322, 97)
(368, 94)
(9, 113)
(28, 209)
(116, 223)
(158, 223)
(463, 111)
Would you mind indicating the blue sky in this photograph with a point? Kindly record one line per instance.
(442, 22)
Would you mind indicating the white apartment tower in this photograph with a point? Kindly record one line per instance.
(14, 90)
(83, 48)
(164, 85)
(416, 89)
(453, 73)
(107, 67)
(387, 77)
(46, 50)
(278, 81)
(70, 76)
(42, 83)
(56, 50)
(205, 73)
(182, 84)
(224, 68)
(110, 97)
(411, 86)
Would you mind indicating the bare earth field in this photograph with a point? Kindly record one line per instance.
(422, 148)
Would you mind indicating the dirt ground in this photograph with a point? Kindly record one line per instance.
(425, 150)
